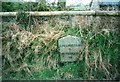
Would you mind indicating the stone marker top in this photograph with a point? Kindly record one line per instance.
(69, 40)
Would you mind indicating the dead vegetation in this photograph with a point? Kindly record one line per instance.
(37, 49)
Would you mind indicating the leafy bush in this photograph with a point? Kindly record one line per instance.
(29, 6)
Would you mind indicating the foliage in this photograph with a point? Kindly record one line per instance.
(22, 6)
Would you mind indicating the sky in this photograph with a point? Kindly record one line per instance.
(110, 0)
(51, 1)
(71, 2)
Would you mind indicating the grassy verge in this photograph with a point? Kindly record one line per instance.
(34, 54)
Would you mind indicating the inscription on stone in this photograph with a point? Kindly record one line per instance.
(69, 48)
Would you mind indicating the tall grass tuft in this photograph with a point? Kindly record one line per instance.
(34, 53)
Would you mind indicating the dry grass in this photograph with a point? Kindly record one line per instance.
(21, 48)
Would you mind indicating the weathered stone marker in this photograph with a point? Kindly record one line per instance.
(69, 48)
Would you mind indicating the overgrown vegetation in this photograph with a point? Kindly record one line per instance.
(33, 53)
